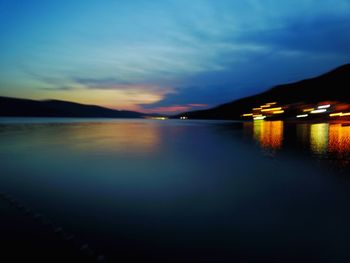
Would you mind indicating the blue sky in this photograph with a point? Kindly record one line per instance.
(163, 55)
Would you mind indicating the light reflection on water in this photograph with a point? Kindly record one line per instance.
(319, 138)
(269, 133)
(329, 141)
(118, 137)
(186, 191)
(92, 136)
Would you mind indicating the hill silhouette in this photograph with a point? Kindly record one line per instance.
(331, 86)
(12, 107)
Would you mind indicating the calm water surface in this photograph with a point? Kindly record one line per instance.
(186, 191)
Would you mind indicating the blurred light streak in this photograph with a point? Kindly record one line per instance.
(324, 106)
(302, 115)
(318, 111)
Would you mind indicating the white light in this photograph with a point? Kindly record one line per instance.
(259, 118)
(302, 115)
(319, 111)
(324, 106)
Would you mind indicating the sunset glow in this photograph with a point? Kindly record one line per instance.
(167, 56)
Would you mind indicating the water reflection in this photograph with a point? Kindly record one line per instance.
(339, 143)
(319, 138)
(326, 141)
(339, 138)
(137, 137)
(268, 133)
(126, 137)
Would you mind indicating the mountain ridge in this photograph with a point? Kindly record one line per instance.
(332, 85)
(18, 107)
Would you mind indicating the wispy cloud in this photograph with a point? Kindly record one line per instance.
(166, 54)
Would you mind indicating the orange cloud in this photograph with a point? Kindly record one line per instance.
(121, 97)
(197, 105)
(168, 109)
(174, 108)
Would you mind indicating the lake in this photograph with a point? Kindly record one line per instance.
(179, 190)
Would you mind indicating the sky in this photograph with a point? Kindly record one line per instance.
(166, 56)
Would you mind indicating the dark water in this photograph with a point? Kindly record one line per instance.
(183, 191)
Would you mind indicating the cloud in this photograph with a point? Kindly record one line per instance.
(172, 109)
(193, 97)
(166, 54)
(58, 88)
(317, 35)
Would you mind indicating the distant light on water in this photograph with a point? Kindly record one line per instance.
(324, 106)
(302, 115)
(257, 118)
(318, 111)
(272, 109)
(278, 112)
(339, 114)
(157, 118)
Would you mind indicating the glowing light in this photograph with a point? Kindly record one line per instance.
(309, 109)
(158, 118)
(269, 134)
(183, 118)
(318, 111)
(339, 114)
(278, 112)
(256, 108)
(271, 103)
(259, 118)
(324, 106)
(339, 141)
(265, 106)
(272, 109)
(319, 138)
(335, 114)
(302, 115)
(247, 114)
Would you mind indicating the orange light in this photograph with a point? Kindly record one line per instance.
(278, 112)
(335, 114)
(309, 109)
(247, 114)
(269, 134)
(339, 114)
(339, 141)
(256, 108)
(273, 109)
